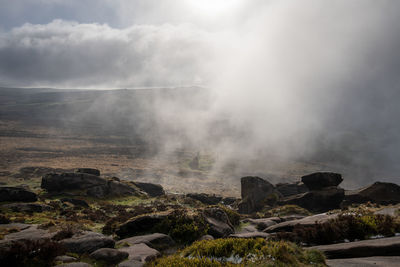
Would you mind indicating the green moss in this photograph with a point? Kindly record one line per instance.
(285, 211)
(243, 252)
(234, 216)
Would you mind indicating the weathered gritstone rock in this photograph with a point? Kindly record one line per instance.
(366, 248)
(290, 189)
(139, 225)
(157, 241)
(323, 200)
(263, 223)
(320, 180)
(131, 263)
(88, 171)
(16, 194)
(306, 221)
(218, 222)
(65, 259)
(206, 237)
(31, 232)
(27, 207)
(366, 262)
(90, 184)
(379, 192)
(206, 198)
(256, 193)
(153, 190)
(87, 242)
(141, 252)
(109, 255)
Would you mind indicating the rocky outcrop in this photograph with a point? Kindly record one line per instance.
(87, 242)
(290, 189)
(153, 190)
(141, 252)
(157, 241)
(218, 221)
(322, 200)
(16, 194)
(324, 194)
(205, 198)
(288, 226)
(366, 248)
(88, 171)
(379, 192)
(320, 180)
(110, 256)
(256, 193)
(382, 261)
(88, 184)
(139, 225)
(263, 223)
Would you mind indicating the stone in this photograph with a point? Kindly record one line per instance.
(218, 221)
(31, 232)
(250, 235)
(87, 242)
(16, 194)
(153, 190)
(323, 200)
(141, 252)
(206, 198)
(256, 193)
(306, 221)
(389, 246)
(75, 202)
(88, 171)
(206, 237)
(89, 184)
(64, 259)
(290, 189)
(366, 262)
(109, 255)
(27, 207)
(379, 192)
(263, 223)
(157, 241)
(139, 225)
(319, 180)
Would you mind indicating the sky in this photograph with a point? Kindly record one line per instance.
(299, 75)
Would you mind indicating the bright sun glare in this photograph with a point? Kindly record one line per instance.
(213, 7)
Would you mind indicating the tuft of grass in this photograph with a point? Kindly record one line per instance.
(243, 252)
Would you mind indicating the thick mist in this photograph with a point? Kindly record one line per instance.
(292, 87)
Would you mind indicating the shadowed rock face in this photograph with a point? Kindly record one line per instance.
(13, 194)
(256, 193)
(218, 221)
(153, 190)
(381, 193)
(140, 224)
(290, 189)
(319, 180)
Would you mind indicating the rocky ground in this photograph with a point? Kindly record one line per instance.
(80, 217)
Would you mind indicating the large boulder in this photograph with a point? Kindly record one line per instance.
(88, 171)
(322, 200)
(320, 180)
(205, 198)
(218, 221)
(139, 225)
(153, 190)
(379, 192)
(157, 241)
(14, 194)
(110, 256)
(141, 252)
(256, 193)
(88, 184)
(379, 261)
(290, 189)
(87, 242)
(366, 248)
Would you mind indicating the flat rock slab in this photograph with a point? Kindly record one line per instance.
(366, 248)
(141, 252)
(263, 223)
(156, 240)
(30, 233)
(87, 242)
(131, 263)
(306, 221)
(366, 262)
(250, 235)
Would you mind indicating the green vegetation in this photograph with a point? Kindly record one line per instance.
(243, 252)
(284, 211)
(234, 217)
